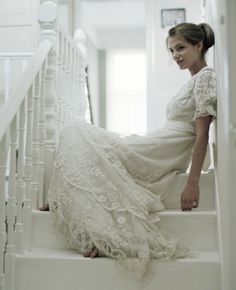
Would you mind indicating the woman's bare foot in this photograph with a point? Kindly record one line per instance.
(92, 253)
(45, 207)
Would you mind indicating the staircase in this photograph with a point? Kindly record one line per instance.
(32, 255)
(51, 265)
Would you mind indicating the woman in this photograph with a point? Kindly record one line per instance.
(106, 191)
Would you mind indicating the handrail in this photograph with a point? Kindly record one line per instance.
(14, 55)
(9, 109)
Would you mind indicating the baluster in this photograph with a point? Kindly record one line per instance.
(11, 205)
(28, 171)
(20, 184)
(77, 97)
(42, 136)
(80, 38)
(63, 67)
(59, 81)
(35, 143)
(69, 73)
(3, 235)
(72, 75)
(82, 80)
(67, 69)
(77, 82)
(76, 91)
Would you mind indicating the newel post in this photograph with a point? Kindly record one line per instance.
(47, 18)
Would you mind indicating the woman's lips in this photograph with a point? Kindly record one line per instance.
(179, 62)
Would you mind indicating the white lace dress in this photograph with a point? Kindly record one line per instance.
(106, 190)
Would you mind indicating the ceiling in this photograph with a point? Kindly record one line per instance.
(109, 14)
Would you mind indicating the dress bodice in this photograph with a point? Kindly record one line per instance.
(196, 99)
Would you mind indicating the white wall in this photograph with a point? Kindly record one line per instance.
(65, 14)
(108, 27)
(164, 79)
(122, 38)
(224, 23)
(18, 25)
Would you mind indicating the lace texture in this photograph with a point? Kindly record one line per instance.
(95, 201)
(205, 95)
(106, 191)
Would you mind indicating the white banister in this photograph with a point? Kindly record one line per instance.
(50, 93)
(9, 109)
(12, 120)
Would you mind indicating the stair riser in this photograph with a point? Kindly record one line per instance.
(196, 232)
(90, 275)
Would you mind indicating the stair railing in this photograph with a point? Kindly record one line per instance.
(71, 64)
(16, 131)
(49, 94)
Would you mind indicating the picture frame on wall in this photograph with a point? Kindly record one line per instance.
(173, 16)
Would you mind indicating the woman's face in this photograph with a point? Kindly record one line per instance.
(186, 55)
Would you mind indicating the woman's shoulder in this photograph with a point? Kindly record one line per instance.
(205, 73)
(206, 77)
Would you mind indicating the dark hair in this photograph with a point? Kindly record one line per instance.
(195, 33)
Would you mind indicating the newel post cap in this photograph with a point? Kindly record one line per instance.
(80, 38)
(47, 17)
(47, 12)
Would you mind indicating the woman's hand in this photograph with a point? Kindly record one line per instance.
(190, 197)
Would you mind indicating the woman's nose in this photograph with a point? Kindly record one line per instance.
(175, 55)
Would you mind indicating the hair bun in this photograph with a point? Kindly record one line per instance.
(209, 36)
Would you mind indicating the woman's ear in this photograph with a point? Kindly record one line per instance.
(200, 46)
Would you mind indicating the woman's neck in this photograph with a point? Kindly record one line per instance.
(197, 67)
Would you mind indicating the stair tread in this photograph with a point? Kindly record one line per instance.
(193, 213)
(172, 212)
(68, 254)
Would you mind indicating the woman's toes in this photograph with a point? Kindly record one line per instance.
(94, 253)
(87, 254)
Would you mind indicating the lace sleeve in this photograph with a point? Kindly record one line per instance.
(205, 95)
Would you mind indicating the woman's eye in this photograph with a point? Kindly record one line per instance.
(180, 48)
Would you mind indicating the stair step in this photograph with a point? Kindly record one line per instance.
(49, 269)
(207, 192)
(196, 229)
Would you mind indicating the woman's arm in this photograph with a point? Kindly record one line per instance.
(190, 194)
